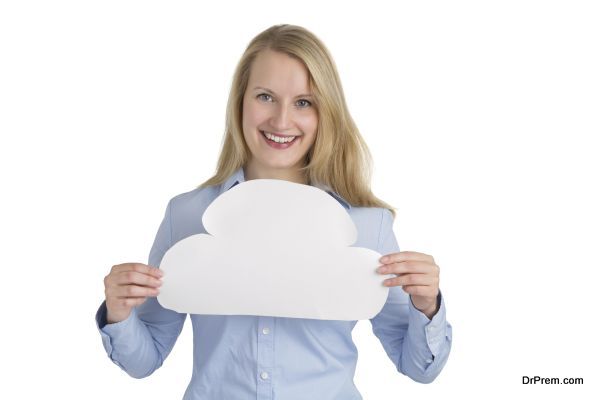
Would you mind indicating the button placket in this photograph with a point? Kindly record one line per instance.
(265, 352)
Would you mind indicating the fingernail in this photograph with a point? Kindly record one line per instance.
(381, 269)
(383, 259)
(160, 273)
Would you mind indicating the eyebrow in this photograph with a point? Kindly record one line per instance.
(272, 92)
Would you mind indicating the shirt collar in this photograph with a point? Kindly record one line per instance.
(238, 177)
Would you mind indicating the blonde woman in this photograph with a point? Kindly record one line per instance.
(286, 119)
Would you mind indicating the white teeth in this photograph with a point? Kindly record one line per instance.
(277, 138)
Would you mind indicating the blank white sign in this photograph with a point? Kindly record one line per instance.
(274, 248)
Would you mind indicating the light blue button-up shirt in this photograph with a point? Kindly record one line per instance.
(275, 358)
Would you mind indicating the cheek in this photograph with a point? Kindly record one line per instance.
(310, 124)
(253, 115)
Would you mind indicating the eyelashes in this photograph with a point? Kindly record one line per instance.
(263, 95)
(306, 101)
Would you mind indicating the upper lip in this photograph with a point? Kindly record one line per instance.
(279, 134)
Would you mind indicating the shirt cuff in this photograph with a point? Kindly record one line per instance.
(433, 330)
(115, 332)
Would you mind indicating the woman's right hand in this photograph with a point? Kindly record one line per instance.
(127, 286)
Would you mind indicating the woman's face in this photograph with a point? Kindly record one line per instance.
(277, 106)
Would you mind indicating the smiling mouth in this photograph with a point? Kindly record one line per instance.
(277, 138)
(278, 142)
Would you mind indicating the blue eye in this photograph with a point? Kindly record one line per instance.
(260, 96)
(308, 103)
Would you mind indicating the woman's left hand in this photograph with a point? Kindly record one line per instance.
(419, 276)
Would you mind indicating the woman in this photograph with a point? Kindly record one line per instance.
(286, 119)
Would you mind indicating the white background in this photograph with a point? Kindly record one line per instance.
(481, 117)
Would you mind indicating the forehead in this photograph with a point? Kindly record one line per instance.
(279, 72)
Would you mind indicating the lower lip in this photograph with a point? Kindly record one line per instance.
(276, 145)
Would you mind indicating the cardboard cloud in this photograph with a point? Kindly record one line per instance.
(274, 248)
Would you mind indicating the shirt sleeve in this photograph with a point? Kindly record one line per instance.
(418, 347)
(140, 343)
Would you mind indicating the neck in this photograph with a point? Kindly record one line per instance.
(287, 174)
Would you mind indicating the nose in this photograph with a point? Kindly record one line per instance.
(282, 118)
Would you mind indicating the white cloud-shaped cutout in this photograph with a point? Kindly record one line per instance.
(274, 248)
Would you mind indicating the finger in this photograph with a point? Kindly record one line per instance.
(138, 267)
(137, 278)
(412, 267)
(135, 291)
(123, 291)
(405, 256)
(411, 279)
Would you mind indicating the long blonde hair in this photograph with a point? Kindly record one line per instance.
(339, 157)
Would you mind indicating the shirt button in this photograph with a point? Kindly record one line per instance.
(266, 331)
(429, 361)
(264, 375)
